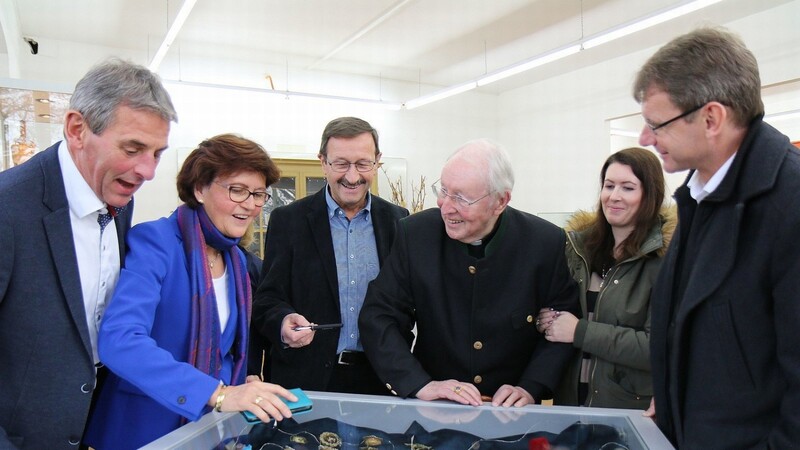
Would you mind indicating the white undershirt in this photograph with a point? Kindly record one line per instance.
(97, 253)
(700, 191)
(221, 292)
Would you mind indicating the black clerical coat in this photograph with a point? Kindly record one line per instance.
(475, 317)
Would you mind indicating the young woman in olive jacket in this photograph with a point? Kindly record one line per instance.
(614, 255)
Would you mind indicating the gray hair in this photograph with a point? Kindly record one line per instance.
(114, 83)
(500, 172)
(705, 65)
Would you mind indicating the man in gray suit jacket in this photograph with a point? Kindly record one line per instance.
(320, 254)
(59, 261)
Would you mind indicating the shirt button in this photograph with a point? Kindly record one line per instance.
(478, 379)
(472, 270)
(477, 345)
(529, 318)
(616, 281)
(353, 335)
(181, 400)
(352, 309)
(352, 281)
(352, 256)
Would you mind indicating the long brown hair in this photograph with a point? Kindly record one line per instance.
(599, 237)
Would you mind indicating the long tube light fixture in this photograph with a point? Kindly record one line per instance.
(523, 66)
(289, 94)
(440, 94)
(646, 22)
(174, 29)
(564, 51)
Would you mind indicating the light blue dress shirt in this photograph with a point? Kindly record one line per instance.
(356, 265)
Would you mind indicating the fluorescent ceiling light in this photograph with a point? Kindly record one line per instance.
(625, 133)
(529, 64)
(646, 22)
(177, 24)
(289, 94)
(793, 114)
(440, 94)
(553, 55)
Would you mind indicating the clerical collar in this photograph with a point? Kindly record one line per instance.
(477, 249)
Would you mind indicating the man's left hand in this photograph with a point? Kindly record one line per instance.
(509, 395)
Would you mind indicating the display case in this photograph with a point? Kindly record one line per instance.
(360, 422)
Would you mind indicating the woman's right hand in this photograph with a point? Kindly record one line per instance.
(260, 398)
(545, 319)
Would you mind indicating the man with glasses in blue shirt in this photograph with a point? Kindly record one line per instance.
(725, 307)
(320, 253)
(472, 276)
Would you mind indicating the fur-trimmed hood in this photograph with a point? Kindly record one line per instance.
(581, 220)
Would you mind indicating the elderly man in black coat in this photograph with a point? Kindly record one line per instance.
(472, 276)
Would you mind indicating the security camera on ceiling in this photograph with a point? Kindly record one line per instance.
(33, 44)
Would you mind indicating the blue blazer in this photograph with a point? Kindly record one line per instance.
(46, 363)
(144, 340)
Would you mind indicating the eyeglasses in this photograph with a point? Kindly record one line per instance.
(343, 166)
(239, 194)
(441, 193)
(654, 128)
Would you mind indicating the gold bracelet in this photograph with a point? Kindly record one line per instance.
(220, 399)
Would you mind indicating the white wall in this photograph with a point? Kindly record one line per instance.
(292, 128)
(558, 131)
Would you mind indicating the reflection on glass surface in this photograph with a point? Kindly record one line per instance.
(354, 418)
(314, 184)
(283, 193)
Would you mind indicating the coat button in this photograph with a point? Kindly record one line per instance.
(472, 270)
(393, 392)
(529, 318)
(74, 440)
(181, 400)
(388, 386)
(477, 345)
(85, 388)
(478, 379)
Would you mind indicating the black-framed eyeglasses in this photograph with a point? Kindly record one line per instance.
(654, 128)
(342, 166)
(239, 194)
(441, 193)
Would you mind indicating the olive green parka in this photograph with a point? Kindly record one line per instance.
(619, 336)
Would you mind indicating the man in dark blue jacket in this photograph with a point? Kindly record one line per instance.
(725, 308)
(60, 256)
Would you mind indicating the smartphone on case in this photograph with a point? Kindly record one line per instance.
(302, 405)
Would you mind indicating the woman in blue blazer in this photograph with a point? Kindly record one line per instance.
(175, 332)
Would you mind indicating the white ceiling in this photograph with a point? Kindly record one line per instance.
(438, 42)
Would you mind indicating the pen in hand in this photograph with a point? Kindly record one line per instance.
(325, 326)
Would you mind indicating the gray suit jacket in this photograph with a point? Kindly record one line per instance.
(46, 365)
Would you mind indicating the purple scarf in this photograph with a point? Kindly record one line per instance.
(204, 352)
